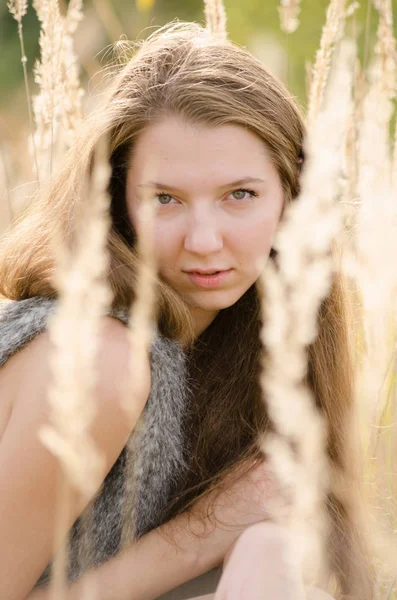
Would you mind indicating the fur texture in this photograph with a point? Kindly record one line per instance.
(158, 462)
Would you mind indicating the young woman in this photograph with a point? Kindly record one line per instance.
(202, 127)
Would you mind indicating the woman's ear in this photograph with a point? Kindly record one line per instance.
(301, 160)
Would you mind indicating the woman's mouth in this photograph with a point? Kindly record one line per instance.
(207, 280)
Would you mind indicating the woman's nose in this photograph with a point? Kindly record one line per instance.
(203, 237)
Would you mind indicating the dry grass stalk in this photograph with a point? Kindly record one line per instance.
(351, 9)
(47, 104)
(289, 11)
(377, 213)
(332, 32)
(57, 107)
(72, 90)
(304, 243)
(349, 198)
(142, 309)
(141, 330)
(5, 205)
(386, 48)
(84, 297)
(215, 16)
(394, 162)
(375, 278)
(74, 15)
(18, 10)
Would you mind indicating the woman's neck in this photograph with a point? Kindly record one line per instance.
(202, 319)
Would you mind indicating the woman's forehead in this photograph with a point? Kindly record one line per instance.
(178, 153)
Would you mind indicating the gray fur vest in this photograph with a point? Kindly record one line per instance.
(159, 461)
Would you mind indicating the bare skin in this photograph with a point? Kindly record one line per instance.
(261, 565)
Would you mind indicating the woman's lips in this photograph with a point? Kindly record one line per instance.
(208, 281)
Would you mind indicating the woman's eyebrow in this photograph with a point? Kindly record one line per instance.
(157, 184)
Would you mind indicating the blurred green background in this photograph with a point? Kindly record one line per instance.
(252, 23)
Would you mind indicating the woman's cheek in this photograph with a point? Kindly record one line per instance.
(256, 240)
(168, 246)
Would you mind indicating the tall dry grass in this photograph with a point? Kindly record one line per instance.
(349, 192)
(57, 106)
(18, 9)
(289, 15)
(215, 16)
(296, 450)
(373, 273)
(84, 296)
(332, 31)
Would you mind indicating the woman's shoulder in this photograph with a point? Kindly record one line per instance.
(22, 320)
(26, 349)
(24, 339)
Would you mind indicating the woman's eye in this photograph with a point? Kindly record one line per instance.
(241, 194)
(164, 199)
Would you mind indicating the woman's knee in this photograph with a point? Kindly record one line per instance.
(271, 550)
(270, 538)
(262, 564)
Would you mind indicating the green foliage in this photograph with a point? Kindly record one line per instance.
(247, 21)
(11, 74)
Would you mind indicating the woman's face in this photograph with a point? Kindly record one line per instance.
(218, 201)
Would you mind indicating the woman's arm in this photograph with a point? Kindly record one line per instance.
(172, 554)
(29, 473)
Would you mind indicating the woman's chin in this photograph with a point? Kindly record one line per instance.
(213, 300)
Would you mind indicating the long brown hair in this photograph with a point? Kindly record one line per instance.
(182, 69)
